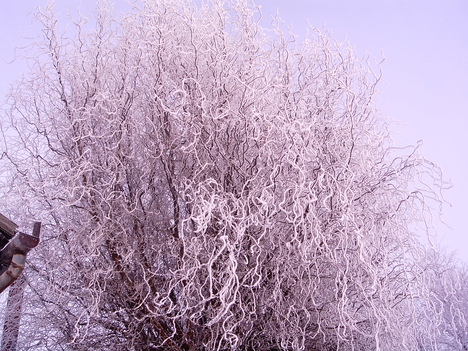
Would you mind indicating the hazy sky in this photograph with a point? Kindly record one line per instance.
(425, 78)
(425, 75)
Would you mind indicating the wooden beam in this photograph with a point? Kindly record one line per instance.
(7, 227)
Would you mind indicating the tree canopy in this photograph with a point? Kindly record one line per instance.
(208, 184)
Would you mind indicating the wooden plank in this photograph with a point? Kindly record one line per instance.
(7, 227)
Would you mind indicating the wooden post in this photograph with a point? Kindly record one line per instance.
(14, 306)
(13, 315)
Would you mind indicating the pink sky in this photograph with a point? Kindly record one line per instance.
(425, 78)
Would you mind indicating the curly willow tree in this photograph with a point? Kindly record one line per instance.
(206, 184)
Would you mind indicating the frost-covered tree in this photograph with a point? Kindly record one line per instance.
(447, 287)
(207, 184)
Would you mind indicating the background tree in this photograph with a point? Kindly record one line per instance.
(448, 295)
(207, 184)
